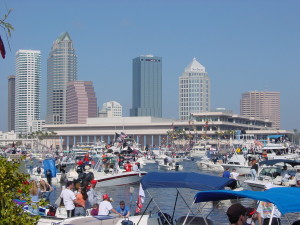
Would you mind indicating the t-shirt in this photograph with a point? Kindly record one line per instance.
(128, 167)
(265, 210)
(104, 208)
(255, 167)
(234, 175)
(123, 211)
(80, 200)
(68, 197)
(226, 174)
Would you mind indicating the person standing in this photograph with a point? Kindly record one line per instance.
(45, 189)
(69, 197)
(265, 209)
(80, 202)
(92, 197)
(226, 173)
(254, 169)
(128, 167)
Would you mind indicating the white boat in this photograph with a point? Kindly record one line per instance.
(199, 150)
(109, 177)
(170, 166)
(271, 173)
(239, 163)
(206, 163)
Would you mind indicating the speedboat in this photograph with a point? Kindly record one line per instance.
(270, 172)
(239, 163)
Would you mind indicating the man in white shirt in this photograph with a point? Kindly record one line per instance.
(105, 206)
(234, 174)
(69, 197)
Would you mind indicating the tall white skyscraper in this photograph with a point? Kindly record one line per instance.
(194, 90)
(61, 68)
(28, 70)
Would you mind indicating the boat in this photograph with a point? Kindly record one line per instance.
(111, 175)
(239, 163)
(282, 198)
(271, 173)
(199, 150)
(206, 163)
(170, 166)
(159, 180)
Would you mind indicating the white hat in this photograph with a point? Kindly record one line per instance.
(268, 186)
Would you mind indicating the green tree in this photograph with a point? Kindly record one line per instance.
(13, 185)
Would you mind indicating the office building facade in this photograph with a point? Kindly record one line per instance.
(27, 98)
(262, 105)
(81, 102)
(147, 86)
(11, 103)
(194, 90)
(111, 109)
(61, 68)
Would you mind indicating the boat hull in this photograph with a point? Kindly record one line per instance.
(119, 179)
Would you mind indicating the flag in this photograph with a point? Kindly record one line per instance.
(2, 48)
(141, 199)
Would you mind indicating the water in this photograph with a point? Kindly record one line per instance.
(165, 198)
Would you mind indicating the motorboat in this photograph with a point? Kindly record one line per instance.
(206, 163)
(162, 180)
(170, 166)
(108, 174)
(271, 171)
(239, 163)
(282, 198)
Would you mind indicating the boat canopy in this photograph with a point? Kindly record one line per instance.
(190, 180)
(282, 197)
(275, 161)
(275, 136)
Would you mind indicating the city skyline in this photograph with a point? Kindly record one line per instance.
(245, 46)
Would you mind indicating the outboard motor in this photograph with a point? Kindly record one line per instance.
(176, 166)
(79, 169)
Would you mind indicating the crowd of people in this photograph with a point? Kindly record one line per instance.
(81, 200)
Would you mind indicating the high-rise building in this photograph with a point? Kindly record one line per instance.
(81, 102)
(147, 86)
(194, 90)
(111, 109)
(62, 68)
(262, 105)
(11, 102)
(28, 70)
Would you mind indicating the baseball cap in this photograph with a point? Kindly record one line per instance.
(93, 182)
(105, 196)
(235, 211)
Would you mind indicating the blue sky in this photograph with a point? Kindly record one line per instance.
(244, 45)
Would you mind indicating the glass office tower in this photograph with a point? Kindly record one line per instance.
(61, 68)
(147, 86)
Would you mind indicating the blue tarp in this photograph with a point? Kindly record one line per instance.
(190, 180)
(49, 164)
(285, 198)
(275, 161)
(275, 136)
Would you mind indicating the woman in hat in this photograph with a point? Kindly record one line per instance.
(105, 206)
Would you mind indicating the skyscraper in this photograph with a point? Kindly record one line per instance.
(28, 69)
(11, 102)
(62, 68)
(81, 102)
(262, 105)
(147, 86)
(194, 90)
